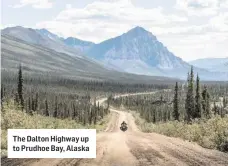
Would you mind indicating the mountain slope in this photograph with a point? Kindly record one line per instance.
(138, 51)
(78, 44)
(47, 39)
(212, 64)
(136, 45)
(37, 59)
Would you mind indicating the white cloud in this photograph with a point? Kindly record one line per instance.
(101, 20)
(42, 4)
(190, 47)
(68, 6)
(118, 10)
(201, 7)
(220, 22)
(187, 37)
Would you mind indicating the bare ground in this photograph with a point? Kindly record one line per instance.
(134, 148)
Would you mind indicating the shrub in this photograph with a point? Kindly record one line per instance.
(13, 118)
(212, 133)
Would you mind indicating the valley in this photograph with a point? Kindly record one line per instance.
(171, 107)
(137, 148)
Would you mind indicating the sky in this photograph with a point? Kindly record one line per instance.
(191, 29)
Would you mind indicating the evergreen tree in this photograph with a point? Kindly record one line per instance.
(198, 107)
(20, 88)
(161, 98)
(46, 108)
(95, 116)
(36, 102)
(154, 114)
(56, 108)
(176, 113)
(90, 115)
(224, 102)
(190, 100)
(74, 112)
(206, 103)
(29, 106)
(187, 114)
(2, 96)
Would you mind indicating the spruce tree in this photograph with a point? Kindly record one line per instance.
(55, 114)
(90, 115)
(161, 98)
(29, 104)
(206, 102)
(198, 107)
(46, 108)
(20, 88)
(2, 96)
(187, 114)
(190, 99)
(224, 102)
(36, 102)
(154, 114)
(176, 113)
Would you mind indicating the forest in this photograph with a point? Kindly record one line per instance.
(186, 102)
(182, 106)
(63, 97)
(192, 104)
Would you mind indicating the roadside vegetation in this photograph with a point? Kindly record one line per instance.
(13, 118)
(190, 111)
(64, 98)
(211, 134)
(31, 102)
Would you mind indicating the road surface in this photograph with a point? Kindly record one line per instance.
(134, 148)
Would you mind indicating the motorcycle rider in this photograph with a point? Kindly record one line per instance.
(123, 126)
(123, 123)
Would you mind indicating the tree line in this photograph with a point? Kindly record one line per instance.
(63, 97)
(79, 108)
(189, 102)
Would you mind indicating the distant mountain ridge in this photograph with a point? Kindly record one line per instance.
(43, 37)
(37, 60)
(137, 44)
(81, 45)
(212, 64)
(137, 51)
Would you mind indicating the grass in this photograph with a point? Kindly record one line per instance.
(211, 134)
(13, 118)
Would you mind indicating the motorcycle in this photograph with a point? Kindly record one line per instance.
(123, 127)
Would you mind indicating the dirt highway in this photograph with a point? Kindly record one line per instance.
(134, 148)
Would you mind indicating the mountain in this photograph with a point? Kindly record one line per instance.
(212, 64)
(39, 60)
(43, 37)
(78, 44)
(136, 51)
(139, 51)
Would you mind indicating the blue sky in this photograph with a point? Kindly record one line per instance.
(191, 29)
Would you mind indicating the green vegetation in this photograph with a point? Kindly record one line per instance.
(176, 114)
(63, 98)
(186, 112)
(36, 102)
(211, 134)
(13, 118)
